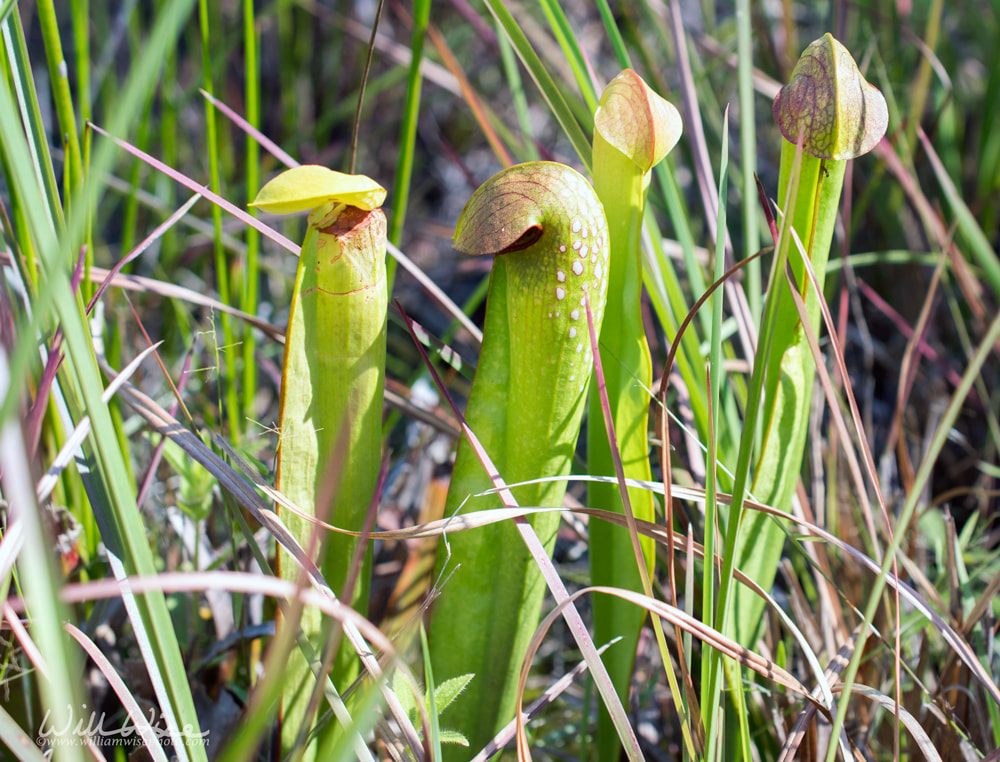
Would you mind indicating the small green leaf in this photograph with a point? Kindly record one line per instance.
(637, 121)
(194, 495)
(453, 737)
(406, 698)
(831, 104)
(304, 188)
(449, 690)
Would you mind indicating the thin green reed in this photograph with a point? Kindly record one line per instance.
(568, 43)
(516, 85)
(168, 146)
(144, 131)
(207, 18)
(59, 74)
(408, 130)
(748, 154)
(550, 91)
(18, 68)
(715, 389)
(250, 279)
(80, 14)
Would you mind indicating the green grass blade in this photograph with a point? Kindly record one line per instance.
(59, 77)
(567, 40)
(712, 686)
(230, 407)
(514, 82)
(711, 485)
(615, 35)
(251, 270)
(432, 689)
(27, 103)
(408, 131)
(59, 687)
(979, 244)
(550, 91)
(748, 155)
(111, 490)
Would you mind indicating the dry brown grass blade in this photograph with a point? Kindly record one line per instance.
(964, 652)
(910, 722)
(269, 145)
(907, 378)
(834, 669)
(143, 284)
(195, 187)
(47, 483)
(235, 582)
(435, 292)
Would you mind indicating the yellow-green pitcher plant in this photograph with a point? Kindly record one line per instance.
(546, 230)
(839, 116)
(330, 442)
(634, 129)
(835, 114)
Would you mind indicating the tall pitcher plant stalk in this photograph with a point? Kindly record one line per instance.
(330, 445)
(836, 115)
(546, 230)
(634, 129)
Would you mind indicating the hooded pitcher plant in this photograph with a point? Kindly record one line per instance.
(838, 116)
(546, 230)
(330, 444)
(634, 129)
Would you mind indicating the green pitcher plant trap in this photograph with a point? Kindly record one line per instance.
(330, 445)
(546, 230)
